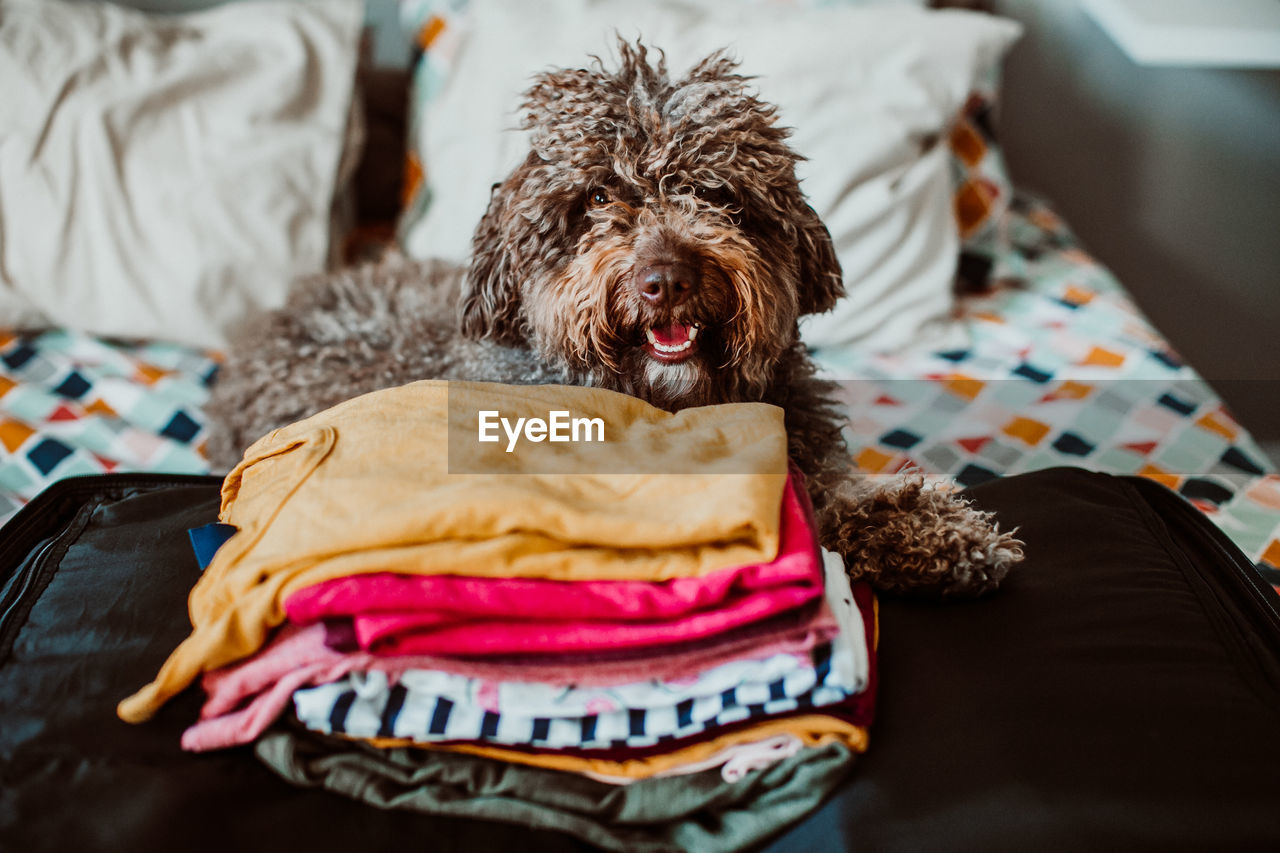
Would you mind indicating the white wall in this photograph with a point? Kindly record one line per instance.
(1171, 177)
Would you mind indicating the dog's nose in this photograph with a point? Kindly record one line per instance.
(666, 284)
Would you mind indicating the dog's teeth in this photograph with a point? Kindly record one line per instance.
(671, 348)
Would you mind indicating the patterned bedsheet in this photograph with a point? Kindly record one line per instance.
(1060, 369)
(71, 404)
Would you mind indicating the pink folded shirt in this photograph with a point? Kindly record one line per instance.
(459, 615)
(245, 698)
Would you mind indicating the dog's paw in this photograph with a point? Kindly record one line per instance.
(913, 538)
(982, 558)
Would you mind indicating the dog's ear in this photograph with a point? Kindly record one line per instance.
(821, 280)
(490, 306)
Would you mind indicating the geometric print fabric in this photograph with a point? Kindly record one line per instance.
(1060, 368)
(73, 405)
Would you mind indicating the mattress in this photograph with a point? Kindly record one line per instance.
(1060, 368)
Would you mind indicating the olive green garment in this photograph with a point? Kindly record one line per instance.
(696, 812)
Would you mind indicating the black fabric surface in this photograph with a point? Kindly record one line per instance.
(1121, 693)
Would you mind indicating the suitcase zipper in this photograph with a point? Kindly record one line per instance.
(48, 518)
(27, 587)
(21, 586)
(1242, 608)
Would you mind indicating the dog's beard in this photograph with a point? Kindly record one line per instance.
(676, 382)
(672, 386)
(718, 346)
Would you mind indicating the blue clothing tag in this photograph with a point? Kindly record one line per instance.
(205, 541)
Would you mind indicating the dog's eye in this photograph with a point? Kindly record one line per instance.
(599, 197)
(717, 195)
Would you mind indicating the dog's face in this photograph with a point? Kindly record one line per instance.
(655, 241)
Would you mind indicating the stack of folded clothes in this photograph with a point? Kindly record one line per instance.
(655, 659)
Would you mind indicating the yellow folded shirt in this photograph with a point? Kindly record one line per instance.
(367, 486)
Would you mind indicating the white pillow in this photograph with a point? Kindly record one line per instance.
(163, 177)
(870, 92)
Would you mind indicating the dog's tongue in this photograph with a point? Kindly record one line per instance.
(673, 335)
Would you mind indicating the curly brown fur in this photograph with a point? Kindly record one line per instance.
(345, 334)
(655, 241)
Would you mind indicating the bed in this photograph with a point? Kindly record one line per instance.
(1063, 370)
(1034, 726)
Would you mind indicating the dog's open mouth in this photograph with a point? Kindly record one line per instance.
(673, 343)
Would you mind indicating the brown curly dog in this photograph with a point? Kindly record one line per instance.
(655, 241)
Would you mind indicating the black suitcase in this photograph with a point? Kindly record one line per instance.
(1122, 692)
